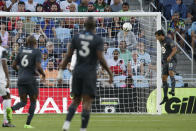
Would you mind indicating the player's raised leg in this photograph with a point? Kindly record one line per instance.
(165, 89)
(71, 111)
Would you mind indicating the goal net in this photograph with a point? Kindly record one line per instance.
(133, 56)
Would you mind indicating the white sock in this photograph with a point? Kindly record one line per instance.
(6, 104)
(82, 129)
(66, 125)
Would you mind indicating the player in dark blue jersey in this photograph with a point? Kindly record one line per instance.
(89, 51)
(27, 63)
(169, 62)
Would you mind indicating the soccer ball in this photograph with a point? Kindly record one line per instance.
(127, 27)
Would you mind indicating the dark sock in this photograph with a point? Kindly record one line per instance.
(71, 112)
(173, 82)
(18, 105)
(31, 112)
(165, 88)
(85, 118)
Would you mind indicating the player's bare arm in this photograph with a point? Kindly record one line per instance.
(174, 50)
(5, 68)
(40, 70)
(14, 65)
(64, 63)
(104, 64)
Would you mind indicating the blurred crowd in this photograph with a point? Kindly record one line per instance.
(128, 53)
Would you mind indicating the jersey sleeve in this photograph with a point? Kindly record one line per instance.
(100, 44)
(38, 58)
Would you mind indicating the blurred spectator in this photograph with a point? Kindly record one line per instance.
(144, 58)
(51, 74)
(51, 52)
(15, 48)
(192, 34)
(21, 6)
(3, 5)
(116, 64)
(62, 32)
(103, 76)
(129, 82)
(39, 8)
(107, 8)
(19, 31)
(125, 8)
(127, 36)
(105, 47)
(192, 11)
(65, 5)
(116, 6)
(38, 32)
(42, 42)
(101, 28)
(99, 5)
(67, 74)
(77, 1)
(12, 5)
(45, 59)
(12, 23)
(28, 25)
(135, 25)
(176, 24)
(48, 4)
(167, 5)
(83, 7)
(125, 54)
(114, 27)
(135, 67)
(72, 8)
(53, 8)
(181, 8)
(48, 27)
(90, 7)
(4, 35)
(30, 5)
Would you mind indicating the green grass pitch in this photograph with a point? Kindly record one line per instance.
(109, 122)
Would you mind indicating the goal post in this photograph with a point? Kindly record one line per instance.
(143, 97)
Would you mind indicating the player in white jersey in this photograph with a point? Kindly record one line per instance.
(4, 86)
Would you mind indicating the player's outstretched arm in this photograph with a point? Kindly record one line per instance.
(104, 64)
(64, 63)
(40, 70)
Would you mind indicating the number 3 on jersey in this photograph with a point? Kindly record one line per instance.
(85, 49)
(25, 61)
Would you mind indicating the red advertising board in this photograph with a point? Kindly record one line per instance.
(50, 100)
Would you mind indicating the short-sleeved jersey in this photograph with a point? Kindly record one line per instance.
(26, 60)
(166, 47)
(86, 44)
(3, 56)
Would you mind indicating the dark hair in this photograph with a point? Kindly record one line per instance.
(21, 3)
(115, 50)
(103, 3)
(160, 32)
(90, 23)
(126, 4)
(106, 43)
(38, 6)
(31, 41)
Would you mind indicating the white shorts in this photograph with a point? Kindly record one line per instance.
(3, 89)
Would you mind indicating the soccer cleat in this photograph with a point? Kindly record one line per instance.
(165, 99)
(28, 126)
(9, 114)
(172, 93)
(7, 125)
